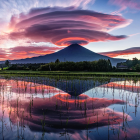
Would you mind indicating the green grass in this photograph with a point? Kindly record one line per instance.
(70, 73)
(5, 68)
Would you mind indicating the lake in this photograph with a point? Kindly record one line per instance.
(50, 108)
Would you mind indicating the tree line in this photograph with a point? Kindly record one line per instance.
(100, 65)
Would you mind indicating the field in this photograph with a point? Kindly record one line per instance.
(71, 73)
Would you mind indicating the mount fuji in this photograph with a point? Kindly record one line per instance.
(74, 52)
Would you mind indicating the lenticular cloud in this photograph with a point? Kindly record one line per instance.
(65, 26)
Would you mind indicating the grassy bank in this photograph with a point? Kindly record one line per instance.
(71, 73)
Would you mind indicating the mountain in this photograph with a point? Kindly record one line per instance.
(73, 53)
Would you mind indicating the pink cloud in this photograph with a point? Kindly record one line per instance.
(135, 50)
(21, 52)
(64, 26)
(134, 4)
(3, 54)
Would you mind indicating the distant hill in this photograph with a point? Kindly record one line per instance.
(73, 53)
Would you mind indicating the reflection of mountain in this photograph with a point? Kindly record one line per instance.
(73, 53)
(76, 87)
(73, 87)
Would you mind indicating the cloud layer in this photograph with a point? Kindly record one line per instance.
(134, 50)
(21, 52)
(133, 4)
(65, 26)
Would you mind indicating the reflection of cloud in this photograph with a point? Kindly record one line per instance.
(65, 86)
(64, 26)
(62, 111)
(77, 136)
(135, 4)
(28, 87)
(130, 134)
(135, 50)
(122, 86)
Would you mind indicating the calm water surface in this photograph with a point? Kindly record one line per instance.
(33, 108)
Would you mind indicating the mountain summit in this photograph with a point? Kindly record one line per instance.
(74, 52)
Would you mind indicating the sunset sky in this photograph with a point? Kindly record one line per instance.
(30, 28)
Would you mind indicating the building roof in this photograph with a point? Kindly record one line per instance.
(122, 66)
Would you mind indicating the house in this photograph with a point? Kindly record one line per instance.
(121, 66)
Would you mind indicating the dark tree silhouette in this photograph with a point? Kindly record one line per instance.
(7, 63)
(100, 65)
(57, 61)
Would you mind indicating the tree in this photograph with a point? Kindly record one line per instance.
(57, 61)
(110, 65)
(1, 67)
(7, 63)
(114, 68)
(129, 63)
(100, 65)
(135, 61)
(137, 67)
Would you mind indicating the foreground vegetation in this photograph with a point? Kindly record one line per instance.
(69, 73)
